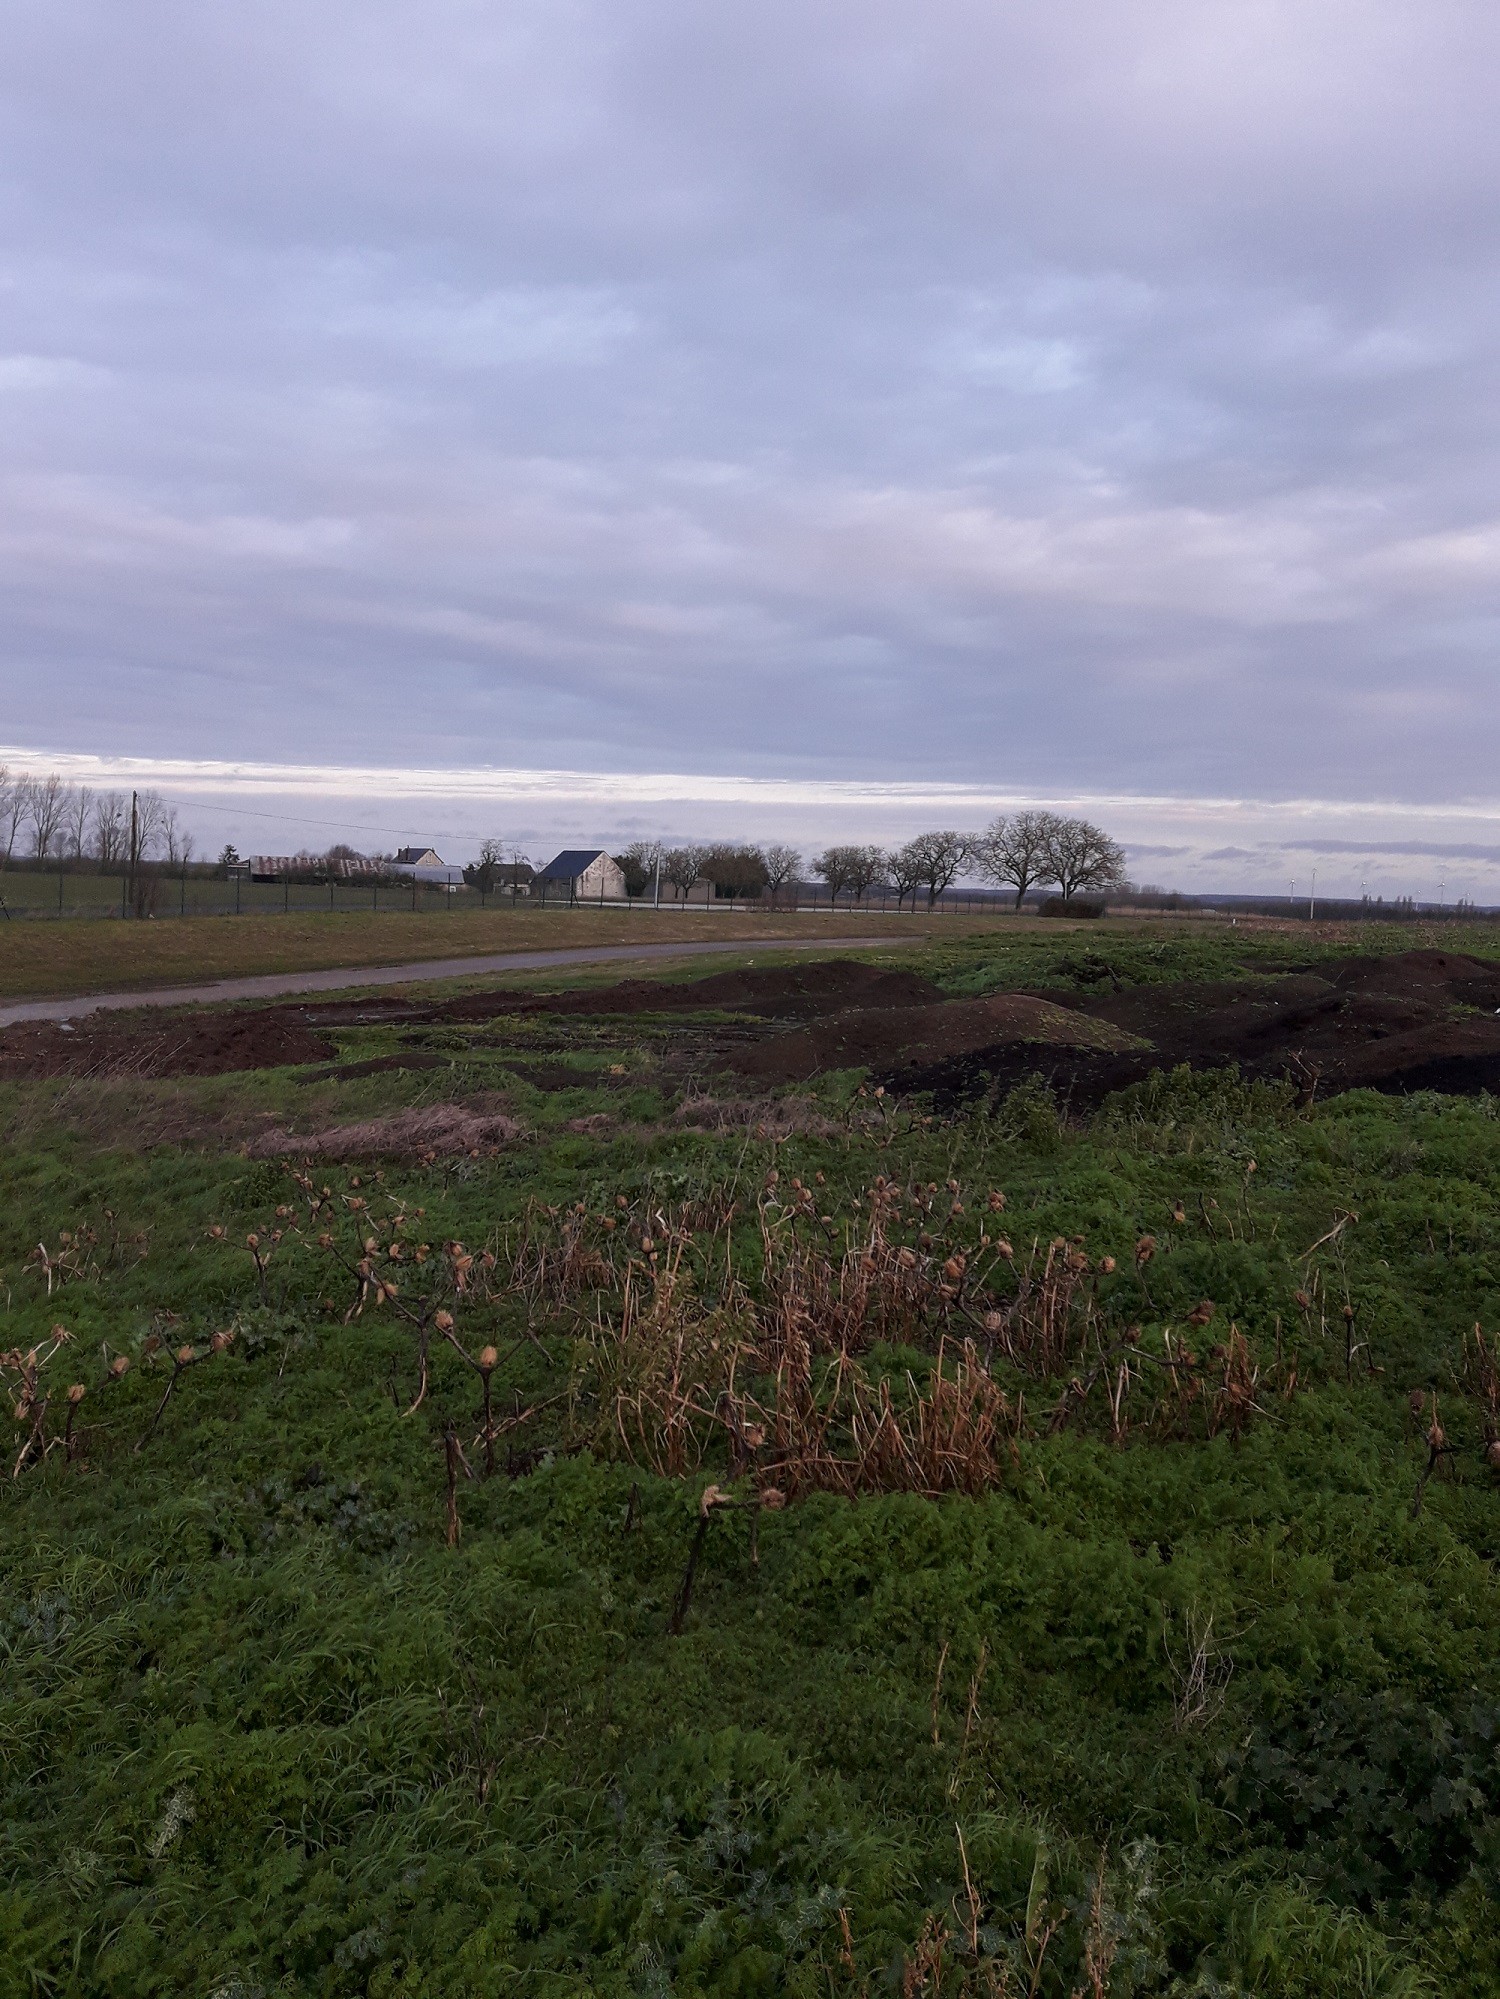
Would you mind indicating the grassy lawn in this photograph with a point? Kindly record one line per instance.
(824, 1547)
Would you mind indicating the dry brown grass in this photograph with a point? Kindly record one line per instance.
(56, 960)
(694, 1348)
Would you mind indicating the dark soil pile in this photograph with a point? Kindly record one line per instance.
(900, 1039)
(1423, 1021)
(781, 992)
(206, 1044)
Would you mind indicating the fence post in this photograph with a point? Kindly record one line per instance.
(59, 891)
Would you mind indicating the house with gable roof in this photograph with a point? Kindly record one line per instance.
(580, 874)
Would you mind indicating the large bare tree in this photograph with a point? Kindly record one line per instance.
(14, 796)
(178, 841)
(851, 868)
(782, 864)
(1081, 856)
(1016, 850)
(682, 866)
(111, 827)
(934, 861)
(905, 871)
(48, 802)
(80, 811)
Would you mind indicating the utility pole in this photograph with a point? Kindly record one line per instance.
(135, 823)
(1312, 896)
(656, 897)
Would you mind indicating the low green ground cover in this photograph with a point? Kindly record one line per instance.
(1183, 1697)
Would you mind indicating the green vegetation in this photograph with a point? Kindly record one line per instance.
(1146, 1641)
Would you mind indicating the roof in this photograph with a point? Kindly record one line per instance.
(417, 857)
(417, 871)
(570, 864)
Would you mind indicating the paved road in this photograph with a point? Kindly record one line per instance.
(269, 984)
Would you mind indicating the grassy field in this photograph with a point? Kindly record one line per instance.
(821, 1547)
(57, 960)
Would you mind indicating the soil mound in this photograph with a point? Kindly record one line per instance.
(899, 1039)
(1425, 1020)
(777, 992)
(208, 1044)
(439, 1130)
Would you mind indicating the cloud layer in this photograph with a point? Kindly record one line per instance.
(1086, 400)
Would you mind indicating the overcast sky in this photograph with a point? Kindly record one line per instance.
(1086, 400)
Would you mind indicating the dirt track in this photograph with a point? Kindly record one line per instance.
(273, 984)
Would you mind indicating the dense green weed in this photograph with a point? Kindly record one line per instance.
(1153, 1711)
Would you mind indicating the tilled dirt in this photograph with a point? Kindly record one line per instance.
(899, 1039)
(779, 992)
(206, 1044)
(1423, 1021)
(1426, 1020)
(210, 1044)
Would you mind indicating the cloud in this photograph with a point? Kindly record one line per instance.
(1079, 400)
(290, 805)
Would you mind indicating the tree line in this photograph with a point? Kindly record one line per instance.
(51, 823)
(1020, 850)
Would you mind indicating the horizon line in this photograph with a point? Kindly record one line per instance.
(253, 777)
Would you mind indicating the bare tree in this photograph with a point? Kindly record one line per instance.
(832, 866)
(852, 868)
(146, 823)
(13, 807)
(1080, 856)
(177, 840)
(1017, 851)
(80, 808)
(905, 872)
(936, 860)
(48, 803)
(782, 864)
(111, 827)
(638, 865)
(682, 866)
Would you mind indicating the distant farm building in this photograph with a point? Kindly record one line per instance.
(309, 867)
(580, 874)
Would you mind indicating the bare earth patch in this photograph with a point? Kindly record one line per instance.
(907, 1036)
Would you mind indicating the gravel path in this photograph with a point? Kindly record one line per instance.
(269, 985)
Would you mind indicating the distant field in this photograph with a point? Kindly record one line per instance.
(58, 959)
(55, 960)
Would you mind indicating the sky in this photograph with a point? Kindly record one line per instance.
(570, 420)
